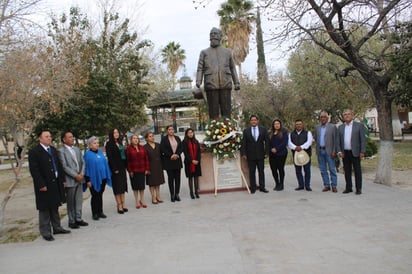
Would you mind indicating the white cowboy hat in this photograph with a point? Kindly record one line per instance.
(301, 158)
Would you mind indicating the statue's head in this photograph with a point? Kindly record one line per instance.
(215, 37)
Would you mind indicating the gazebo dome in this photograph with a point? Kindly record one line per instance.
(185, 78)
(185, 82)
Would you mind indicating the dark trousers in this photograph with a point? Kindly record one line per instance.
(259, 164)
(348, 161)
(193, 180)
(219, 99)
(49, 218)
(173, 179)
(74, 200)
(303, 181)
(277, 165)
(96, 201)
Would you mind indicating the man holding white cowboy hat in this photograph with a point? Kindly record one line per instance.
(300, 142)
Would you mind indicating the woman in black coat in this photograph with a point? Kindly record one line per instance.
(191, 150)
(116, 155)
(171, 149)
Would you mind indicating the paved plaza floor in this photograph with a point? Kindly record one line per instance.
(277, 232)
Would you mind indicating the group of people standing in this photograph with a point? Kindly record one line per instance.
(63, 175)
(347, 141)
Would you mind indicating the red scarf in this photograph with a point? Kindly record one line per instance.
(193, 155)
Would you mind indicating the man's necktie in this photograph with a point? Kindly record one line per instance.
(254, 133)
(53, 161)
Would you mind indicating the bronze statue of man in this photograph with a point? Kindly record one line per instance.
(217, 67)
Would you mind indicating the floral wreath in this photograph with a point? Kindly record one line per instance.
(222, 138)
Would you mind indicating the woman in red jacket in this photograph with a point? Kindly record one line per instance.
(138, 168)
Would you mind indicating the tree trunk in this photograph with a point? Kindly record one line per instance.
(384, 108)
(240, 72)
(396, 123)
(11, 188)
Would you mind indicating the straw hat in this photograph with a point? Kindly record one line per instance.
(301, 158)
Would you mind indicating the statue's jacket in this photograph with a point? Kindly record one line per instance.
(217, 67)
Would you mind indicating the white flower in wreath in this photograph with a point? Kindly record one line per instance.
(207, 132)
(215, 151)
(219, 137)
(216, 131)
(226, 144)
(221, 146)
(214, 137)
(226, 156)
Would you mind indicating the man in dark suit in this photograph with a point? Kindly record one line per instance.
(326, 135)
(301, 139)
(254, 149)
(217, 67)
(73, 165)
(352, 148)
(48, 179)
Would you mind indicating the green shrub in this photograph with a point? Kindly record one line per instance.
(371, 147)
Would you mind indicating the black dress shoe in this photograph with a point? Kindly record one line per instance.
(82, 223)
(192, 196)
(264, 190)
(125, 209)
(347, 191)
(197, 195)
(358, 192)
(308, 188)
(120, 211)
(102, 215)
(172, 199)
(299, 188)
(95, 217)
(74, 226)
(61, 231)
(177, 198)
(48, 238)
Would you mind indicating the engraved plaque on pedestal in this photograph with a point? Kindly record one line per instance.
(228, 173)
(222, 176)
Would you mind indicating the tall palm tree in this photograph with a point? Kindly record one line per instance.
(173, 55)
(236, 18)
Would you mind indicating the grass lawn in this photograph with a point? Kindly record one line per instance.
(402, 157)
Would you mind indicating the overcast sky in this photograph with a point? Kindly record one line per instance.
(179, 21)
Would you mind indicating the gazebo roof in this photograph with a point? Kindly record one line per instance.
(181, 97)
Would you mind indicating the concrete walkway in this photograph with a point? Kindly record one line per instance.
(278, 232)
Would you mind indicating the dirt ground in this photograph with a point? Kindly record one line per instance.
(400, 178)
(20, 219)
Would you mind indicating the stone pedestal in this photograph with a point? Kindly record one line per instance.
(229, 176)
